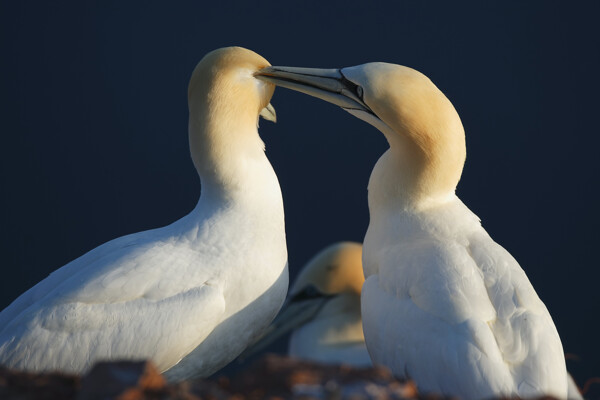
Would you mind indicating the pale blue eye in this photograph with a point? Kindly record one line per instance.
(359, 92)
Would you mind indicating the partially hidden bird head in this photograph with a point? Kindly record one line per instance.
(328, 285)
(337, 269)
(425, 133)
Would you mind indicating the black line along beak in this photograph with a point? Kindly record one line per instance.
(326, 84)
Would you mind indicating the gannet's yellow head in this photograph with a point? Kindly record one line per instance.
(334, 270)
(420, 119)
(225, 100)
(224, 80)
(426, 136)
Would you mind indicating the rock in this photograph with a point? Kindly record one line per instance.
(272, 377)
(125, 380)
(284, 377)
(26, 386)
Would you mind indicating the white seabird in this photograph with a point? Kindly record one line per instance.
(443, 303)
(323, 310)
(192, 295)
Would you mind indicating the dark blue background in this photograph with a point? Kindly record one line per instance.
(93, 123)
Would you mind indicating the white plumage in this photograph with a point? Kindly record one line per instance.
(190, 296)
(323, 310)
(443, 303)
(441, 292)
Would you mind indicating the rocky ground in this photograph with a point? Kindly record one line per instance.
(271, 377)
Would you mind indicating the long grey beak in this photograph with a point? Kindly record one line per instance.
(326, 84)
(293, 314)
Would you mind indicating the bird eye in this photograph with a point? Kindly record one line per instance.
(359, 92)
(353, 87)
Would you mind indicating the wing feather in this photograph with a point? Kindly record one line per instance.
(461, 318)
(121, 304)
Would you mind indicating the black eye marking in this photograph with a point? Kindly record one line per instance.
(353, 87)
(359, 92)
(310, 292)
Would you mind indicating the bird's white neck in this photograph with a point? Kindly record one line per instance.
(231, 162)
(419, 170)
(392, 186)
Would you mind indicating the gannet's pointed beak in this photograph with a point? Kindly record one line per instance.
(326, 84)
(295, 313)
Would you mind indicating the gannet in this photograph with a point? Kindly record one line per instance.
(323, 310)
(442, 302)
(191, 295)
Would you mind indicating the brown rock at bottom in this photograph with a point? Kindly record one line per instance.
(26, 386)
(122, 378)
(272, 377)
(275, 376)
